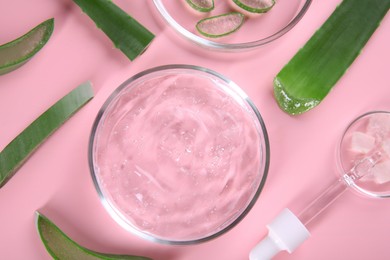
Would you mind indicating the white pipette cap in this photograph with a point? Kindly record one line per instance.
(285, 232)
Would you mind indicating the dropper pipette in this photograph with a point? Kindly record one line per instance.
(287, 231)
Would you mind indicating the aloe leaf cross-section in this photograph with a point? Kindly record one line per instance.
(16, 53)
(309, 76)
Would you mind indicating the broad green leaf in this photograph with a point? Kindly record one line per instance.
(309, 76)
(127, 34)
(61, 247)
(19, 149)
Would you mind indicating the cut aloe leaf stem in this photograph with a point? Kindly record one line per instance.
(61, 247)
(201, 5)
(220, 25)
(17, 52)
(127, 34)
(255, 6)
(309, 76)
(19, 149)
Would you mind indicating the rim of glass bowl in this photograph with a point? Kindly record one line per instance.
(342, 170)
(264, 148)
(231, 47)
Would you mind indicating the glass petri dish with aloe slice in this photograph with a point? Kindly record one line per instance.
(258, 28)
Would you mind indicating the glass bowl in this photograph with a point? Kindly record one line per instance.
(178, 154)
(365, 151)
(256, 31)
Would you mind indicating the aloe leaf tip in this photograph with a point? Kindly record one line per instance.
(290, 104)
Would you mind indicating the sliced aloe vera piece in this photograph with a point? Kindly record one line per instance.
(255, 6)
(19, 149)
(201, 5)
(17, 52)
(61, 247)
(220, 25)
(309, 76)
(127, 34)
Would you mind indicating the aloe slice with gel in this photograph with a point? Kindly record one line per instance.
(309, 76)
(201, 5)
(255, 6)
(220, 25)
(19, 149)
(61, 247)
(17, 52)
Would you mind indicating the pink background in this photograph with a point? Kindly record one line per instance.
(56, 179)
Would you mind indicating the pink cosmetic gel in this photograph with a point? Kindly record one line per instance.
(178, 154)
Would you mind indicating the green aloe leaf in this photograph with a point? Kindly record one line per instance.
(127, 34)
(309, 76)
(19, 149)
(17, 52)
(61, 247)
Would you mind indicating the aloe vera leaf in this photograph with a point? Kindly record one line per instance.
(201, 5)
(127, 34)
(309, 76)
(61, 247)
(19, 149)
(17, 52)
(220, 25)
(255, 6)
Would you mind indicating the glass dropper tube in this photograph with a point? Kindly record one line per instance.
(288, 230)
(319, 204)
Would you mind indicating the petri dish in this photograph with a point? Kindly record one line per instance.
(364, 154)
(256, 31)
(178, 154)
